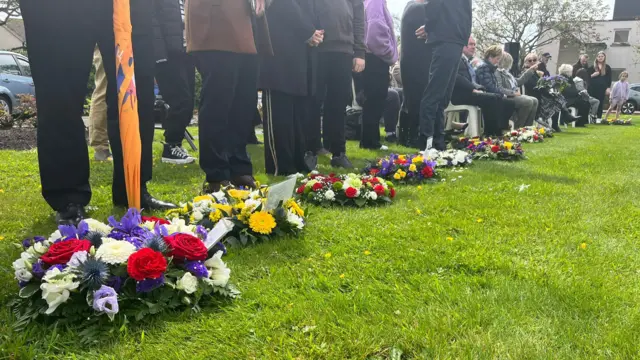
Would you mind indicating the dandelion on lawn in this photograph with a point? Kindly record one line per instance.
(450, 238)
(419, 187)
(583, 246)
(367, 252)
(418, 211)
(1, 238)
(479, 221)
(341, 276)
(1, 191)
(327, 255)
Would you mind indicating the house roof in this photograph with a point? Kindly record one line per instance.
(16, 27)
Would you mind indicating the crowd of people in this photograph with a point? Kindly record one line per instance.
(304, 56)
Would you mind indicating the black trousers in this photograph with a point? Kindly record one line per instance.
(414, 81)
(376, 83)
(599, 92)
(176, 78)
(333, 90)
(60, 55)
(443, 68)
(392, 106)
(227, 108)
(495, 111)
(285, 118)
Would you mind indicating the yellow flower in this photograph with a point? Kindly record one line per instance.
(1, 238)
(479, 221)
(203, 198)
(226, 210)
(397, 176)
(215, 215)
(239, 194)
(341, 276)
(402, 158)
(418, 160)
(293, 206)
(262, 222)
(418, 211)
(327, 255)
(419, 187)
(583, 246)
(367, 252)
(185, 209)
(541, 131)
(450, 238)
(508, 145)
(412, 167)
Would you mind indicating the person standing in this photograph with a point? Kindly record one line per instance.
(60, 56)
(287, 84)
(98, 137)
(619, 96)
(175, 74)
(341, 52)
(600, 83)
(583, 63)
(221, 38)
(382, 52)
(447, 29)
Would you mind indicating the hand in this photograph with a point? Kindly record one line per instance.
(534, 67)
(517, 93)
(477, 91)
(540, 73)
(421, 33)
(316, 39)
(595, 74)
(608, 91)
(260, 7)
(358, 65)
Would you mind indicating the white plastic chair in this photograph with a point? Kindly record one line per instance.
(474, 119)
(573, 112)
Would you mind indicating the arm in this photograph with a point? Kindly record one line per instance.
(464, 85)
(433, 10)
(524, 78)
(483, 75)
(378, 41)
(358, 29)
(608, 78)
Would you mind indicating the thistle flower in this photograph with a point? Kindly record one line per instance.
(93, 273)
(155, 242)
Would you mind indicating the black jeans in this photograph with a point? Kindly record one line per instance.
(334, 89)
(176, 78)
(227, 108)
(495, 111)
(60, 55)
(443, 68)
(392, 106)
(376, 83)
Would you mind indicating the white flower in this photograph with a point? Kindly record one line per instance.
(251, 204)
(56, 289)
(371, 195)
(149, 225)
(180, 226)
(19, 264)
(461, 157)
(56, 235)
(220, 196)
(197, 215)
(78, 258)
(295, 220)
(95, 225)
(330, 195)
(39, 248)
(255, 195)
(219, 273)
(23, 275)
(432, 154)
(188, 283)
(115, 251)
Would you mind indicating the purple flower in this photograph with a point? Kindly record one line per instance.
(136, 241)
(117, 235)
(148, 285)
(115, 282)
(105, 300)
(59, 267)
(39, 239)
(22, 283)
(128, 222)
(70, 231)
(26, 243)
(202, 232)
(37, 270)
(197, 269)
(219, 247)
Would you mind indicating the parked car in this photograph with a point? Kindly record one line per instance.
(633, 104)
(15, 79)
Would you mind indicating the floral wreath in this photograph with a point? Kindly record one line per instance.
(488, 148)
(345, 190)
(403, 169)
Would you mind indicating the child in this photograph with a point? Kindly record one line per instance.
(619, 95)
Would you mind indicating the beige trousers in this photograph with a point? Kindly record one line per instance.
(98, 137)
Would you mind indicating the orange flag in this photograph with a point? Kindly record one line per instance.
(127, 101)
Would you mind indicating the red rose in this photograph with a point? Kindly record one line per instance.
(155, 220)
(61, 252)
(146, 264)
(317, 186)
(185, 246)
(392, 193)
(374, 172)
(535, 137)
(332, 175)
(300, 189)
(495, 148)
(427, 172)
(379, 189)
(351, 192)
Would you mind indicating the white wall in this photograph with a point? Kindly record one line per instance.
(8, 40)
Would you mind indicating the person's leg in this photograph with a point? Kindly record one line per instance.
(391, 111)
(608, 112)
(300, 119)
(444, 64)
(60, 54)
(534, 110)
(336, 100)
(595, 103)
(313, 132)
(98, 136)
(491, 110)
(523, 109)
(219, 72)
(618, 109)
(508, 109)
(279, 133)
(376, 85)
(600, 94)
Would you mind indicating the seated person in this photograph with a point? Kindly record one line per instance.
(581, 80)
(526, 106)
(573, 97)
(486, 77)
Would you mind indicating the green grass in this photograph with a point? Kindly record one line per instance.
(483, 272)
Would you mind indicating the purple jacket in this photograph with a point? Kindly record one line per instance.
(380, 37)
(620, 91)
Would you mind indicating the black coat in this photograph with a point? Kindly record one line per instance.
(413, 52)
(571, 93)
(464, 85)
(448, 21)
(168, 28)
(291, 69)
(600, 83)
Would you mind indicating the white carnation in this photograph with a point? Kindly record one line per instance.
(219, 273)
(295, 220)
(188, 283)
(56, 290)
(95, 225)
(19, 264)
(197, 215)
(78, 258)
(372, 195)
(23, 275)
(330, 195)
(24, 262)
(220, 195)
(115, 251)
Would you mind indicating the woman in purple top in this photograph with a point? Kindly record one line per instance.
(382, 52)
(619, 95)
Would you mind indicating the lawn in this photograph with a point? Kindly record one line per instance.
(528, 260)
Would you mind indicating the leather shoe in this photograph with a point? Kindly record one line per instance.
(71, 215)
(148, 202)
(245, 181)
(212, 187)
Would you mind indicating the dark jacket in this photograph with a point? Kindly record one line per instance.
(486, 76)
(413, 51)
(530, 85)
(577, 66)
(343, 24)
(448, 21)
(571, 93)
(168, 29)
(291, 24)
(464, 85)
(600, 82)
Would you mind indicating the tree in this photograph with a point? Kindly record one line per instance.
(9, 9)
(535, 23)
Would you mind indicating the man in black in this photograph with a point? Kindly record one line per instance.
(447, 29)
(175, 74)
(60, 54)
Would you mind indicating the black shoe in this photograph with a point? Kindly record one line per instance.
(176, 154)
(391, 138)
(72, 215)
(323, 152)
(341, 161)
(246, 181)
(148, 202)
(310, 161)
(213, 187)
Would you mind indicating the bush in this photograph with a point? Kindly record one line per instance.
(26, 113)
(6, 120)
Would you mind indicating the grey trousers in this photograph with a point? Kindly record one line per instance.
(595, 104)
(526, 108)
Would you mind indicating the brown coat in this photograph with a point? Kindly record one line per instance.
(221, 25)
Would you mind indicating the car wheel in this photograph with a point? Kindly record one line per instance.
(5, 104)
(629, 108)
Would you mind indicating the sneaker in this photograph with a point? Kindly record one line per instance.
(103, 155)
(341, 161)
(384, 147)
(173, 154)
